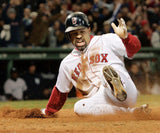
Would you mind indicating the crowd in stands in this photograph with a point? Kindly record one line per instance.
(40, 23)
(34, 85)
(146, 81)
(29, 85)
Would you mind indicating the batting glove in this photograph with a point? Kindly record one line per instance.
(43, 111)
(121, 29)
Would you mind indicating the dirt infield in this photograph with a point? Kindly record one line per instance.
(32, 121)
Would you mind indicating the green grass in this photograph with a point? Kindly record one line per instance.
(152, 100)
(35, 103)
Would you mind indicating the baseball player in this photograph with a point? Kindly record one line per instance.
(96, 68)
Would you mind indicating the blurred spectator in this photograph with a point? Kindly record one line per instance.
(76, 7)
(100, 4)
(15, 86)
(26, 25)
(52, 36)
(155, 39)
(154, 14)
(3, 78)
(42, 8)
(46, 13)
(5, 34)
(27, 21)
(33, 16)
(49, 6)
(93, 24)
(56, 8)
(106, 13)
(146, 69)
(98, 20)
(26, 17)
(39, 33)
(137, 75)
(125, 12)
(155, 89)
(12, 15)
(117, 7)
(106, 27)
(130, 29)
(34, 83)
(1, 13)
(48, 79)
(86, 7)
(64, 7)
(32, 4)
(137, 24)
(145, 34)
(56, 35)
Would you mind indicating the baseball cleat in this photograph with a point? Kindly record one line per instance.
(142, 109)
(115, 83)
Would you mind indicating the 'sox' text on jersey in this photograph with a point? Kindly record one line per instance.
(98, 58)
(93, 59)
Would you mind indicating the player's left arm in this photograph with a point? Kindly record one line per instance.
(56, 101)
(60, 90)
(131, 42)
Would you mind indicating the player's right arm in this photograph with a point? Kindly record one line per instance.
(60, 91)
(56, 101)
(132, 43)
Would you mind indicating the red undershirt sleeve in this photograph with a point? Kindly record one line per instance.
(132, 45)
(56, 101)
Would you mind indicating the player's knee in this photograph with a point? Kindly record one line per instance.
(79, 107)
(132, 99)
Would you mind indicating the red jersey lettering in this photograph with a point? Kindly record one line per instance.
(97, 58)
(91, 59)
(104, 57)
(74, 77)
(79, 66)
(76, 72)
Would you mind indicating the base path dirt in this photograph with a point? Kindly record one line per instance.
(32, 121)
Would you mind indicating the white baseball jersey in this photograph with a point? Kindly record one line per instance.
(15, 88)
(83, 70)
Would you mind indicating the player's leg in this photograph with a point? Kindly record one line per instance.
(97, 105)
(105, 102)
(119, 87)
(114, 82)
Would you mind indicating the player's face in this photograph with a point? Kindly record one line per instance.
(80, 38)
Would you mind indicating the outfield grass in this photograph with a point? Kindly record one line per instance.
(35, 103)
(152, 100)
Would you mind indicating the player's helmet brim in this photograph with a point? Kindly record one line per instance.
(71, 28)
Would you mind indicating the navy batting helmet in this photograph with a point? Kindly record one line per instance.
(75, 21)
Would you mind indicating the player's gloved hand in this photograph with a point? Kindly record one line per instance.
(46, 115)
(43, 111)
(121, 29)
